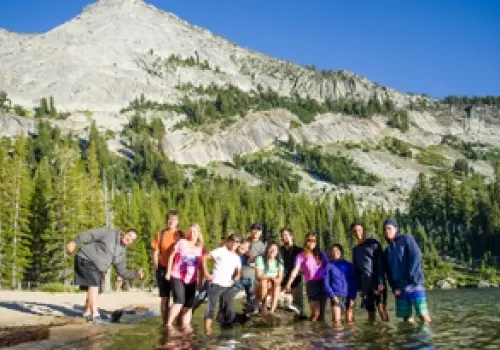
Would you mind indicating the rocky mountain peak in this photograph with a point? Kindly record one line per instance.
(119, 2)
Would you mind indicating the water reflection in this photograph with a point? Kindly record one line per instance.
(467, 319)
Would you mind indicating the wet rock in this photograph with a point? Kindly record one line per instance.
(10, 336)
(447, 283)
(278, 319)
(131, 314)
(483, 284)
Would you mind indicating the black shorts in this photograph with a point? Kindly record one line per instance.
(315, 290)
(163, 284)
(372, 299)
(86, 273)
(183, 293)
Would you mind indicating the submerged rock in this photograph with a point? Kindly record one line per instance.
(10, 336)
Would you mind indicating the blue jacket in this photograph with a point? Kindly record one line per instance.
(340, 280)
(404, 263)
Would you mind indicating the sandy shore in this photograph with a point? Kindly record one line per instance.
(39, 308)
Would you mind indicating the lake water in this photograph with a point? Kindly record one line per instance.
(461, 319)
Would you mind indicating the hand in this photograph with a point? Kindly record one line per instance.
(287, 289)
(397, 292)
(167, 276)
(208, 277)
(70, 247)
(140, 274)
(335, 300)
(381, 288)
(351, 304)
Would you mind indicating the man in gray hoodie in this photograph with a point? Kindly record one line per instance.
(101, 248)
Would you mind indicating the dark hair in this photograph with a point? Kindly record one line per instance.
(234, 236)
(266, 252)
(316, 252)
(339, 247)
(357, 223)
(283, 229)
(256, 227)
(172, 212)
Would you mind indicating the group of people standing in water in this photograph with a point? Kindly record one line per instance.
(263, 271)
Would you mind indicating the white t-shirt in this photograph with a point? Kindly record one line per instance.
(226, 262)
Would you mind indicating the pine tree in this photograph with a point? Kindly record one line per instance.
(95, 205)
(16, 252)
(40, 223)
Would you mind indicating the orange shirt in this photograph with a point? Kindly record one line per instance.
(170, 237)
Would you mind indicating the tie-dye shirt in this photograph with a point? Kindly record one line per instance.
(187, 261)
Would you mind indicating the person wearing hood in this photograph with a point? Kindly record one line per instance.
(404, 272)
(340, 285)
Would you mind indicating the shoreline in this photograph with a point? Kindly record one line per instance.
(27, 308)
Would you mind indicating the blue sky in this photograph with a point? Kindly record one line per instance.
(438, 47)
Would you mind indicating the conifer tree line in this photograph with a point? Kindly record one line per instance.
(53, 186)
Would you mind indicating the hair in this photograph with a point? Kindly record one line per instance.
(132, 230)
(289, 230)
(234, 236)
(172, 212)
(316, 252)
(339, 247)
(266, 253)
(357, 223)
(199, 241)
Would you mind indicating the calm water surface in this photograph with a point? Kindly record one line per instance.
(461, 319)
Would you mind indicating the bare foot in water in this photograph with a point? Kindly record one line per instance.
(188, 330)
(172, 331)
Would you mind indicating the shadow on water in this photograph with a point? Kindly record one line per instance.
(461, 319)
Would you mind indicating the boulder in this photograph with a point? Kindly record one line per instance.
(483, 284)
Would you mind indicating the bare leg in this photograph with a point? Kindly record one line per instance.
(164, 310)
(315, 306)
(371, 316)
(349, 315)
(262, 295)
(86, 309)
(276, 288)
(208, 326)
(298, 298)
(92, 295)
(382, 311)
(426, 319)
(186, 314)
(172, 314)
(336, 315)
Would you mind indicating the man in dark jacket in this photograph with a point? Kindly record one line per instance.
(101, 248)
(289, 252)
(404, 271)
(367, 258)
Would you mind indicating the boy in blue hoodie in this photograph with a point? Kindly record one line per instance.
(404, 272)
(340, 285)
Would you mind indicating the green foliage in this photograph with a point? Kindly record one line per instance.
(224, 103)
(47, 109)
(397, 147)
(274, 174)
(399, 119)
(58, 288)
(473, 150)
(430, 156)
(461, 167)
(336, 169)
(20, 111)
(475, 100)
(5, 102)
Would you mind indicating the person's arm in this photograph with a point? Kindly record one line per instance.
(204, 261)
(259, 269)
(155, 246)
(93, 235)
(414, 259)
(389, 272)
(357, 270)
(352, 288)
(120, 265)
(237, 275)
(379, 265)
(279, 277)
(295, 271)
(328, 281)
(171, 258)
